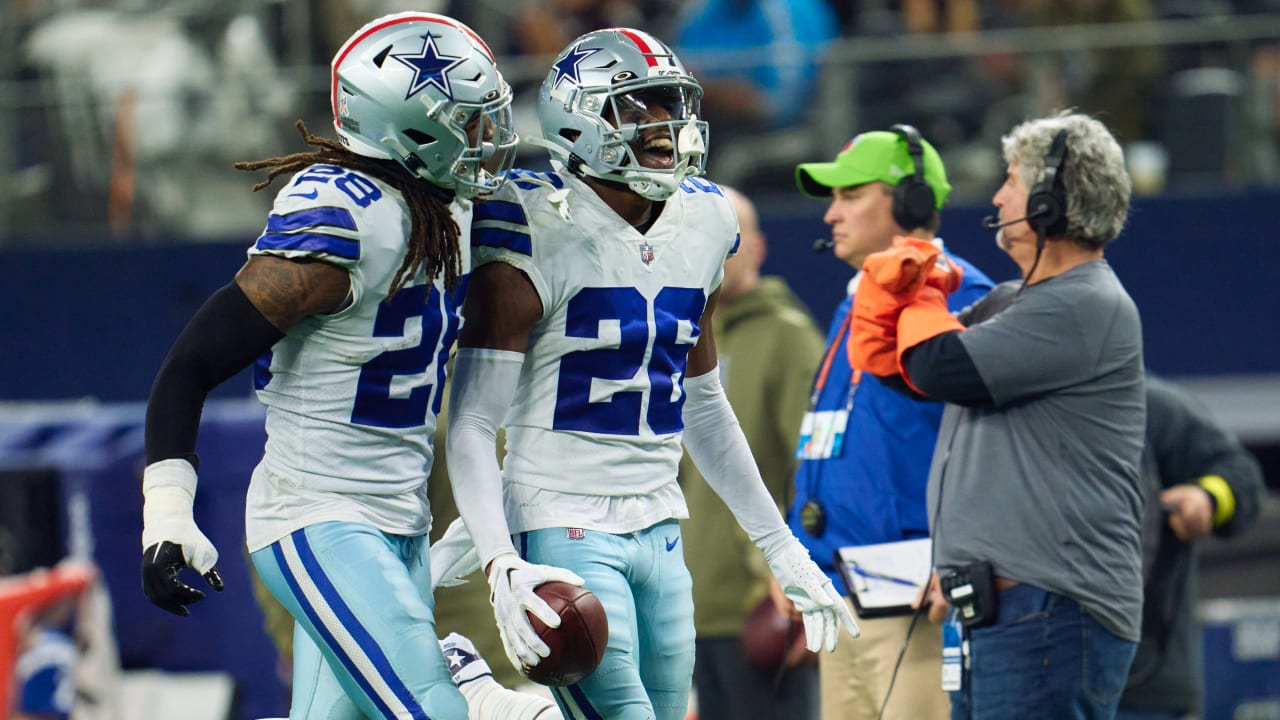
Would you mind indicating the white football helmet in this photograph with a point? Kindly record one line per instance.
(424, 90)
(612, 88)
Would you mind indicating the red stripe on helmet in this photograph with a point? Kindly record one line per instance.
(401, 18)
(640, 42)
(472, 34)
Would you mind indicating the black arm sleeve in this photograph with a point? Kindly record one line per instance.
(898, 385)
(226, 334)
(1189, 444)
(943, 370)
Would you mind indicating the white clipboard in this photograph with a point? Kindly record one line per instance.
(885, 578)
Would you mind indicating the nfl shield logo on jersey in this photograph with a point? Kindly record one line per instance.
(576, 533)
(646, 253)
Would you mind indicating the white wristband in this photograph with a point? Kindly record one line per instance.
(175, 472)
(169, 494)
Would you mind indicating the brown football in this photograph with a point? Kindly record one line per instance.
(769, 637)
(577, 646)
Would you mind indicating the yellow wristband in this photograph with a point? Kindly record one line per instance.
(1222, 495)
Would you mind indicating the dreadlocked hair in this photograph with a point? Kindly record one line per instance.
(433, 241)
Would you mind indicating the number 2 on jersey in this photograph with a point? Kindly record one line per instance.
(375, 403)
(620, 414)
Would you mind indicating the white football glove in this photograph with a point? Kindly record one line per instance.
(170, 539)
(453, 556)
(511, 583)
(811, 590)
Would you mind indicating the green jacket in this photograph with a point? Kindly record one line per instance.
(769, 349)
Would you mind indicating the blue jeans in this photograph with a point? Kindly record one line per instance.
(1044, 658)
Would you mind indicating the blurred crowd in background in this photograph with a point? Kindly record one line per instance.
(125, 117)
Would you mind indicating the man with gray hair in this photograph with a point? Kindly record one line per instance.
(1034, 498)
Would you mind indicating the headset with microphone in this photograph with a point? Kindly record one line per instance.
(991, 222)
(914, 203)
(1047, 201)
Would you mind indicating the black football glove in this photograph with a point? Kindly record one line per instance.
(160, 566)
(170, 538)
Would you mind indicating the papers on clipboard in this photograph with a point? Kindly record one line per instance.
(883, 579)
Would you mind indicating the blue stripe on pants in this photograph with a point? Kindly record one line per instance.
(315, 574)
(348, 620)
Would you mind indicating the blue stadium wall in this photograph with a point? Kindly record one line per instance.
(96, 321)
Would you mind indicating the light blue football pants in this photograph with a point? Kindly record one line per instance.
(364, 641)
(642, 581)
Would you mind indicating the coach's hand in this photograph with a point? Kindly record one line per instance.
(945, 275)
(903, 268)
(890, 280)
(822, 608)
(1190, 510)
(170, 539)
(511, 585)
(931, 597)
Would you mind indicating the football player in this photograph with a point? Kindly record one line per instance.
(588, 335)
(348, 303)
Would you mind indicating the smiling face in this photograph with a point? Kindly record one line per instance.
(654, 114)
(861, 220)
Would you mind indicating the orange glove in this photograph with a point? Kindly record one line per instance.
(890, 279)
(926, 317)
(945, 275)
(903, 268)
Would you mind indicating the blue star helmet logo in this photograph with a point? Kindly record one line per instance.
(430, 67)
(567, 66)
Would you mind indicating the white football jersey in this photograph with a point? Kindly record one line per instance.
(599, 407)
(352, 397)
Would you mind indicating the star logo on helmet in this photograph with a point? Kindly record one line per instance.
(567, 66)
(430, 67)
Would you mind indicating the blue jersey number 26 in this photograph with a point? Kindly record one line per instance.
(620, 414)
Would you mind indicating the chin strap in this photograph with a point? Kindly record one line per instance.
(414, 164)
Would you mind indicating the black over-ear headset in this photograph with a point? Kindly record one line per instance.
(913, 200)
(1047, 201)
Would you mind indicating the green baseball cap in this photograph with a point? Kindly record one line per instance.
(880, 155)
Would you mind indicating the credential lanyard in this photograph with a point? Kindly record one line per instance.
(822, 433)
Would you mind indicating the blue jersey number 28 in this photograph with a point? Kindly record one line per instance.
(376, 404)
(620, 414)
